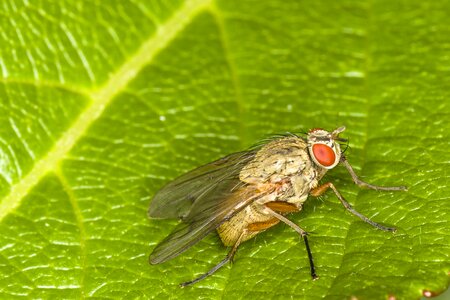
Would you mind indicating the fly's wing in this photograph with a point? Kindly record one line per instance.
(196, 226)
(176, 199)
(203, 198)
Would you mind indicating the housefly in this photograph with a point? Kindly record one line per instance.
(245, 193)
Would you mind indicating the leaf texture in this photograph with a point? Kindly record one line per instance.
(102, 103)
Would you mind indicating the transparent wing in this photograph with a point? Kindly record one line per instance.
(197, 226)
(203, 198)
(177, 198)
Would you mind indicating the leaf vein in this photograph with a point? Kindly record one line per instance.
(101, 99)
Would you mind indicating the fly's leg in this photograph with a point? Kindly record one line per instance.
(228, 258)
(321, 189)
(359, 182)
(285, 207)
(257, 226)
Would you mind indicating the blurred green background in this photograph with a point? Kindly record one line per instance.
(102, 103)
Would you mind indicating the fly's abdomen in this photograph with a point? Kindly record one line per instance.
(230, 231)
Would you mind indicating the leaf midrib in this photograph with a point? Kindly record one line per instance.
(100, 99)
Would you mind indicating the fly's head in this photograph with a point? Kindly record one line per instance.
(324, 147)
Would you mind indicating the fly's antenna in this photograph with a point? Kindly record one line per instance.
(336, 132)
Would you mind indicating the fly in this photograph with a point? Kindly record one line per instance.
(248, 192)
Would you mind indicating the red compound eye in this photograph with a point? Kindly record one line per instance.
(324, 154)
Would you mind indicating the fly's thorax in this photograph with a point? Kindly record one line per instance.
(303, 183)
(277, 160)
(286, 163)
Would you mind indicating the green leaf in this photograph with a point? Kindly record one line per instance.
(103, 103)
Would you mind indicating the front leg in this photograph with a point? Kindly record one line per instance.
(322, 189)
(368, 185)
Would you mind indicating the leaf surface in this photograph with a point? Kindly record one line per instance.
(103, 103)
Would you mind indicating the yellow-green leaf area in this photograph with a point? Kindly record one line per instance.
(102, 103)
